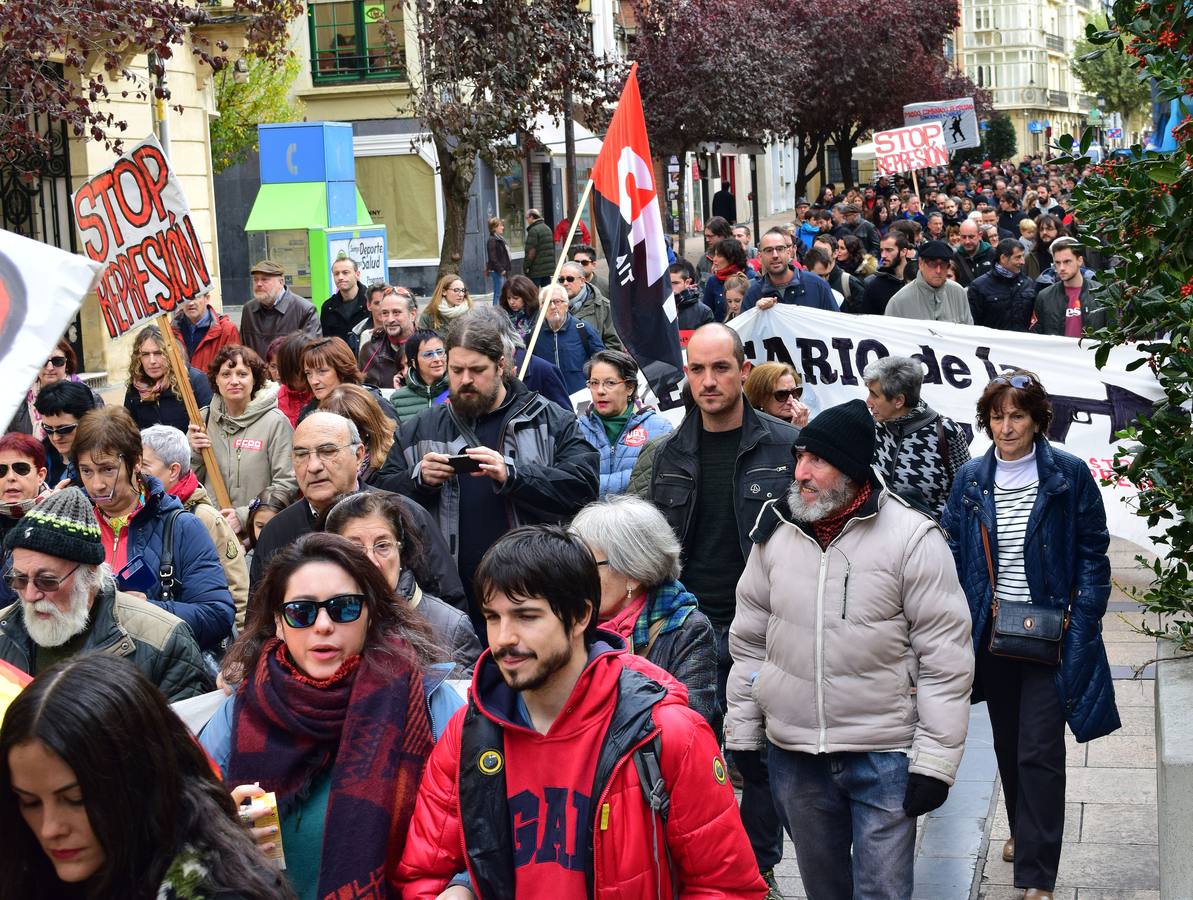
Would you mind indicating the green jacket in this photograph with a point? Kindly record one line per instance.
(540, 241)
(414, 397)
(594, 310)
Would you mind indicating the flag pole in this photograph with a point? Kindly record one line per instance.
(563, 252)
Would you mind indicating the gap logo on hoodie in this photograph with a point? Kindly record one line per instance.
(546, 827)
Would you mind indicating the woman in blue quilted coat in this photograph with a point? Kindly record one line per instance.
(1040, 513)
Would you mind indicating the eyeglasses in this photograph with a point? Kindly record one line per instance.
(772, 249)
(608, 384)
(432, 354)
(56, 361)
(1019, 382)
(53, 430)
(381, 549)
(20, 468)
(585, 262)
(341, 609)
(567, 279)
(456, 290)
(326, 453)
(47, 584)
(782, 396)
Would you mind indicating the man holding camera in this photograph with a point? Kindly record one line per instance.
(496, 457)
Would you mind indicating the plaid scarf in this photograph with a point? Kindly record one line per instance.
(670, 601)
(369, 723)
(827, 529)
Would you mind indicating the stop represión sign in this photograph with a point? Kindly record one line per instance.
(903, 150)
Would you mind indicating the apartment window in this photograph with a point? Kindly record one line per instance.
(348, 41)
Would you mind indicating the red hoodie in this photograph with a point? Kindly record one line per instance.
(548, 780)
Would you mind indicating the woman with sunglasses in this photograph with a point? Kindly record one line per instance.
(379, 524)
(61, 405)
(1026, 524)
(616, 424)
(153, 396)
(426, 379)
(22, 477)
(775, 389)
(335, 674)
(61, 365)
(104, 794)
(449, 301)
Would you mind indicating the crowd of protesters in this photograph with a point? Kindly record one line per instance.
(379, 499)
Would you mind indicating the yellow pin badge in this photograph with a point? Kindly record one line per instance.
(490, 762)
(718, 770)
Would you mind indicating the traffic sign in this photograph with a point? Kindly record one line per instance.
(1114, 134)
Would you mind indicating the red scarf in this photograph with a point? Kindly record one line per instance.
(622, 621)
(369, 723)
(185, 487)
(725, 273)
(291, 402)
(827, 529)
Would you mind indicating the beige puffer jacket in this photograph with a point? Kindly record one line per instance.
(864, 647)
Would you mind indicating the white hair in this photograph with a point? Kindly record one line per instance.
(634, 537)
(169, 445)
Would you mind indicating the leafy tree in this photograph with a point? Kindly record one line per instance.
(486, 69)
(96, 41)
(691, 57)
(246, 99)
(1107, 70)
(999, 139)
(1141, 208)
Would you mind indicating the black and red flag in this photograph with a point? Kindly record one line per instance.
(630, 223)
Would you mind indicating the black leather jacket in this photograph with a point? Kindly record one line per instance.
(765, 468)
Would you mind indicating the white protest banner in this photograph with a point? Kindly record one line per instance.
(133, 218)
(41, 290)
(902, 150)
(831, 350)
(958, 118)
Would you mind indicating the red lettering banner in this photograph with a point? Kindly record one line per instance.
(903, 150)
(134, 219)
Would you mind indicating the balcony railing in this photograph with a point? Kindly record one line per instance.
(1054, 42)
(1058, 98)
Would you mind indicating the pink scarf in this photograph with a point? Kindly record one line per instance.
(622, 621)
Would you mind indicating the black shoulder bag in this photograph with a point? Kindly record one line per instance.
(1023, 631)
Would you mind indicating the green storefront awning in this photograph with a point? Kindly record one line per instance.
(280, 207)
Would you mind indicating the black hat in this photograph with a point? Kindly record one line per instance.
(62, 525)
(842, 436)
(935, 250)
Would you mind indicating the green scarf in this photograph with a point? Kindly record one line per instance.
(615, 425)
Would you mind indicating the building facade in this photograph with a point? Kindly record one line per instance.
(1021, 50)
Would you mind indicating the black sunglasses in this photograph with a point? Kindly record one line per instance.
(21, 468)
(340, 609)
(1016, 381)
(567, 279)
(782, 396)
(60, 429)
(57, 361)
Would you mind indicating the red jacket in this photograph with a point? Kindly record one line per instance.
(221, 333)
(708, 847)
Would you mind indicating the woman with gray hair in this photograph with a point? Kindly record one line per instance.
(642, 600)
(918, 450)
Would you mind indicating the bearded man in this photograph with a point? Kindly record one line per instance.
(69, 603)
(852, 658)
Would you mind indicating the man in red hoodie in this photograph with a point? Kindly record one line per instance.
(539, 787)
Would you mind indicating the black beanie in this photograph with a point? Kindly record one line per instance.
(62, 525)
(842, 436)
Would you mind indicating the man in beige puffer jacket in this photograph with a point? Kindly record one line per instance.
(852, 659)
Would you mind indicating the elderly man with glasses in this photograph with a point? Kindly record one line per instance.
(568, 342)
(932, 295)
(327, 453)
(68, 603)
(588, 305)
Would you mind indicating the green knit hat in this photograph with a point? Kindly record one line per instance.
(62, 525)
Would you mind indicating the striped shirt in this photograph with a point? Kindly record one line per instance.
(1012, 509)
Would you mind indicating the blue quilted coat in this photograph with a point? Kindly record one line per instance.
(1066, 565)
(617, 461)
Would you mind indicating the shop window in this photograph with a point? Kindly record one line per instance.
(512, 204)
(400, 193)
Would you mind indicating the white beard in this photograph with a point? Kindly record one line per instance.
(826, 504)
(61, 626)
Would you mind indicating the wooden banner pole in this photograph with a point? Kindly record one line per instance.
(563, 252)
(214, 476)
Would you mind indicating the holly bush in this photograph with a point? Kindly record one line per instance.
(1141, 209)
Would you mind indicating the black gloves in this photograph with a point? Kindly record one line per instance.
(923, 795)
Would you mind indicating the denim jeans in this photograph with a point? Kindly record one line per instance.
(829, 802)
(758, 813)
(498, 280)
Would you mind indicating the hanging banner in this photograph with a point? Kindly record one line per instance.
(903, 150)
(134, 219)
(831, 351)
(41, 290)
(958, 118)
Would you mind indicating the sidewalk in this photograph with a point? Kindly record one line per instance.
(1110, 846)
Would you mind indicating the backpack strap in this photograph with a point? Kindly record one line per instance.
(649, 766)
(165, 567)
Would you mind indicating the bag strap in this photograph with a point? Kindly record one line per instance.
(989, 568)
(165, 567)
(942, 445)
(650, 777)
(655, 630)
